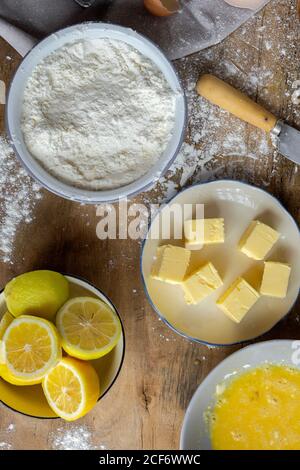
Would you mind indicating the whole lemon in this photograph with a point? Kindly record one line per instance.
(39, 293)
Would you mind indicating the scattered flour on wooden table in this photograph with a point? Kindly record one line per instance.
(73, 438)
(5, 446)
(2, 92)
(6, 434)
(214, 133)
(18, 196)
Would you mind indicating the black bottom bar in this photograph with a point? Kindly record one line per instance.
(86, 460)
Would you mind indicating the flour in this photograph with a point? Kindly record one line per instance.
(213, 134)
(73, 438)
(4, 434)
(5, 446)
(18, 196)
(97, 114)
(2, 92)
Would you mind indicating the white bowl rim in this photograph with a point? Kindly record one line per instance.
(88, 196)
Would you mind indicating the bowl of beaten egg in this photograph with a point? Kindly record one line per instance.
(246, 402)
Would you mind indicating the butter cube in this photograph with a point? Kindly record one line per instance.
(238, 300)
(203, 232)
(201, 283)
(258, 240)
(275, 279)
(171, 264)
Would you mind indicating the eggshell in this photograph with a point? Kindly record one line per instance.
(161, 7)
(252, 4)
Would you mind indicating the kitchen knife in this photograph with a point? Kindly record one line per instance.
(234, 101)
(85, 3)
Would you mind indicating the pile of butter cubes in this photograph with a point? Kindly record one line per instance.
(172, 263)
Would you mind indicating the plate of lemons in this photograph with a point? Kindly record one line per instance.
(61, 345)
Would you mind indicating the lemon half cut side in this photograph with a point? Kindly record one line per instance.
(71, 388)
(31, 348)
(89, 328)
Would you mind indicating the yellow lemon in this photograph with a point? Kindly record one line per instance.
(31, 349)
(39, 293)
(5, 373)
(8, 377)
(89, 328)
(2, 358)
(71, 388)
(2, 353)
(4, 323)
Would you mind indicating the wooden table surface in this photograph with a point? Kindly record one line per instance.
(146, 406)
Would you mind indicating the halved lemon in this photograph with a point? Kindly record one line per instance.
(5, 373)
(5, 322)
(89, 328)
(2, 358)
(31, 349)
(71, 388)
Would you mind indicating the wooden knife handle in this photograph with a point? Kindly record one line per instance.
(234, 101)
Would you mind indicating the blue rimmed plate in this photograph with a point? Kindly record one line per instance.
(238, 204)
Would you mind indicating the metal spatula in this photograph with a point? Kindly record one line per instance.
(234, 101)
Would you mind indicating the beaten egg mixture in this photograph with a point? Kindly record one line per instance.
(259, 410)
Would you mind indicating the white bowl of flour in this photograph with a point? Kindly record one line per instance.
(96, 113)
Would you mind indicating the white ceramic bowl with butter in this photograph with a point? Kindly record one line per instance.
(195, 432)
(238, 204)
(46, 47)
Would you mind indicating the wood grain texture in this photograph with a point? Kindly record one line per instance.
(146, 406)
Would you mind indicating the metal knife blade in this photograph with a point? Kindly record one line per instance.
(85, 3)
(289, 141)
